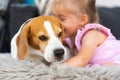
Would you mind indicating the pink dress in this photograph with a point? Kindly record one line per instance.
(109, 51)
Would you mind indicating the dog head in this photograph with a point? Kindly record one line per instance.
(42, 35)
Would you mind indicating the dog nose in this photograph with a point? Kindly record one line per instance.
(59, 53)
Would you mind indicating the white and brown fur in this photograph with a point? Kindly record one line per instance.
(40, 36)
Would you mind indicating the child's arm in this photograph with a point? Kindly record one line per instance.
(89, 43)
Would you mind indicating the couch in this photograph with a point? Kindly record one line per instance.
(18, 13)
(110, 17)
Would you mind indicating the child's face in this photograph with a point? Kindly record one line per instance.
(69, 21)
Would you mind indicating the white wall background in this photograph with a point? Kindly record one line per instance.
(108, 3)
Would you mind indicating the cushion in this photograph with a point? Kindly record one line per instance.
(110, 17)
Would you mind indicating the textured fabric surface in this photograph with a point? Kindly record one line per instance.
(37, 70)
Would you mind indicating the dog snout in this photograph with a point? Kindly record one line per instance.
(58, 53)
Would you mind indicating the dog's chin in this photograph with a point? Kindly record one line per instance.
(46, 62)
(51, 63)
(55, 60)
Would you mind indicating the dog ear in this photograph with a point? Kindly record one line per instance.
(22, 41)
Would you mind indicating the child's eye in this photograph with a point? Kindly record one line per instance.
(62, 19)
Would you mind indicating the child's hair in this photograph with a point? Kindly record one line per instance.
(79, 6)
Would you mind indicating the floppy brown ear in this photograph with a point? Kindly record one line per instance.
(22, 42)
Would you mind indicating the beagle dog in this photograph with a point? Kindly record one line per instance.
(41, 36)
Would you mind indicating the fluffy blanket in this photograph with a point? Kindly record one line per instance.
(36, 70)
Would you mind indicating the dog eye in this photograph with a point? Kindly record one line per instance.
(60, 34)
(43, 38)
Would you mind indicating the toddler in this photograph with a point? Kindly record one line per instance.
(93, 43)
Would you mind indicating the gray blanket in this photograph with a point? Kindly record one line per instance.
(36, 70)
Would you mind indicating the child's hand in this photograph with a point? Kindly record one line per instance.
(75, 61)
